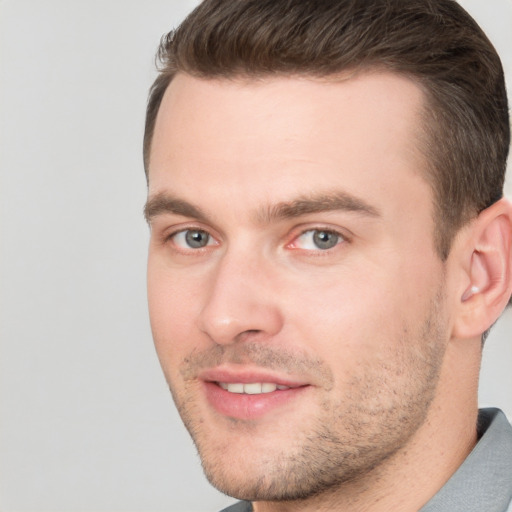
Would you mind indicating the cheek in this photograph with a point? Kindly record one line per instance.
(377, 344)
(173, 306)
(356, 314)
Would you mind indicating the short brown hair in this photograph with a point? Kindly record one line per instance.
(434, 42)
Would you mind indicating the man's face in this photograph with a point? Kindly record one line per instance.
(294, 290)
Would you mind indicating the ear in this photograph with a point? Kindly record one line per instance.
(486, 259)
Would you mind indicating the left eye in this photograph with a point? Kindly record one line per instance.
(192, 239)
(318, 239)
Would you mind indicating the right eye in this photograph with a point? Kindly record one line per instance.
(192, 239)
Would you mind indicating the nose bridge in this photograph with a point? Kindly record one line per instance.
(240, 299)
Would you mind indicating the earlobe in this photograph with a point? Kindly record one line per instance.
(489, 268)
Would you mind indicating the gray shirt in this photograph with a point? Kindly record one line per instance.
(482, 482)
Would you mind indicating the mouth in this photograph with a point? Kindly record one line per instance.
(252, 388)
(250, 395)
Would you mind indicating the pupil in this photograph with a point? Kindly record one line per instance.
(325, 240)
(196, 239)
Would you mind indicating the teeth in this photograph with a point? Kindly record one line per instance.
(268, 387)
(235, 388)
(253, 388)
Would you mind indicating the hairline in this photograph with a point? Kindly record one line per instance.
(424, 134)
(248, 76)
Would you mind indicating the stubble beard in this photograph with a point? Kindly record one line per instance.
(352, 438)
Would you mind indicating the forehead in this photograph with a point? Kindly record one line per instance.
(284, 135)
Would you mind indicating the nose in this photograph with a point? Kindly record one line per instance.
(243, 300)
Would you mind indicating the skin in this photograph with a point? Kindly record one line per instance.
(387, 405)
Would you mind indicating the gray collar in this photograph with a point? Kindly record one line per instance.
(484, 480)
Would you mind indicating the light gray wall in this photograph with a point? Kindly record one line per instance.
(86, 421)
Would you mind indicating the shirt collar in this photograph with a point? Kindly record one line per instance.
(483, 481)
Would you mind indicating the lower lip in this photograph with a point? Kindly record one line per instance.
(246, 407)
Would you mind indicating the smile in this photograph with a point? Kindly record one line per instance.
(252, 388)
(247, 393)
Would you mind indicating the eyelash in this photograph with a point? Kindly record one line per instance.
(341, 239)
(171, 238)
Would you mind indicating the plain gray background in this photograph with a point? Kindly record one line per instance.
(86, 420)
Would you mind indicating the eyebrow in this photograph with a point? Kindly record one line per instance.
(335, 201)
(163, 203)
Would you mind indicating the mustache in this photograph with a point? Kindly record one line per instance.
(261, 355)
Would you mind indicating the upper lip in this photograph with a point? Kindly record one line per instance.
(248, 375)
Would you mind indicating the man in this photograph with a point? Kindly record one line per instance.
(329, 246)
